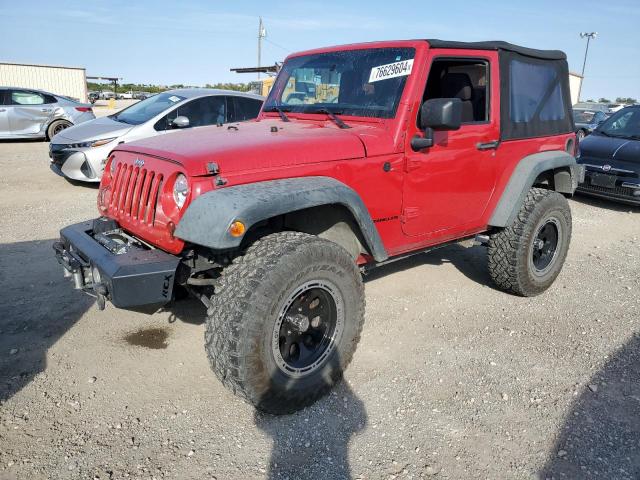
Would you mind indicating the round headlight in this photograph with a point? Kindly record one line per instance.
(180, 190)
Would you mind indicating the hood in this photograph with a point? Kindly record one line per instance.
(600, 147)
(103, 127)
(262, 144)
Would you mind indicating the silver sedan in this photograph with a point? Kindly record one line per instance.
(36, 114)
(80, 153)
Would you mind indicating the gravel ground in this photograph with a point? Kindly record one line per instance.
(452, 378)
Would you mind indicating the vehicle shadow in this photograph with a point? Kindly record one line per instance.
(314, 443)
(604, 203)
(37, 307)
(601, 434)
(470, 261)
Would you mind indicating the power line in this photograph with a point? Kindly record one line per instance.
(276, 45)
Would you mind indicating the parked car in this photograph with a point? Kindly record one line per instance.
(26, 113)
(125, 96)
(271, 223)
(611, 155)
(80, 153)
(93, 97)
(586, 120)
(593, 106)
(107, 95)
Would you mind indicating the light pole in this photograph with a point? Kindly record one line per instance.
(589, 36)
(262, 32)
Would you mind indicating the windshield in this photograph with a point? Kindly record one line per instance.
(625, 124)
(147, 109)
(367, 83)
(583, 116)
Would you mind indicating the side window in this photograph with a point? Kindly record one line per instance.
(4, 100)
(20, 97)
(535, 91)
(465, 79)
(50, 99)
(245, 108)
(200, 112)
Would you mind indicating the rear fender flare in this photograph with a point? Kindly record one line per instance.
(566, 175)
(207, 220)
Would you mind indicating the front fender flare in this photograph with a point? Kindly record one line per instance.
(207, 219)
(524, 176)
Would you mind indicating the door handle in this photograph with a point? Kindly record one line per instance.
(46, 110)
(488, 145)
(3, 109)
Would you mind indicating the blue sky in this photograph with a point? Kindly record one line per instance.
(196, 42)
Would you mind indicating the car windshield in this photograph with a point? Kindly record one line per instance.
(147, 109)
(583, 116)
(367, 83)
(624, 123)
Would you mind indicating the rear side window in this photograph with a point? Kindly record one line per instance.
(535, 93)
(50, 99)
(245, 108)
(4, 100)
(26, 98)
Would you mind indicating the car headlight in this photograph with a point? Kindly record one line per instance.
(180, 190)
(93, 143)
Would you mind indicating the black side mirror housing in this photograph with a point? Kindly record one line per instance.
(437, 114)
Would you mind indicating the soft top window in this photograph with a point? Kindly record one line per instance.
(535, 97)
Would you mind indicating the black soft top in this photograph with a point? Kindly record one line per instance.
(499, 45)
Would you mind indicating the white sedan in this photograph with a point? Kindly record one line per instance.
(80, 152)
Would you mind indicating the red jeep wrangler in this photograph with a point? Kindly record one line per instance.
(362, 154)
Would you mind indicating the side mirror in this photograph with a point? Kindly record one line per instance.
(180, 122)
(437, 114)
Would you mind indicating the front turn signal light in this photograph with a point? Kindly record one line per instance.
(237, 229)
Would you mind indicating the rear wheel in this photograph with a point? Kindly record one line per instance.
(526, 257)
(56, 127)
(285, 321)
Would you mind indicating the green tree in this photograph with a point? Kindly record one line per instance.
(604, 100)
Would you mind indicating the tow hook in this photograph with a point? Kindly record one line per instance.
(101, 296)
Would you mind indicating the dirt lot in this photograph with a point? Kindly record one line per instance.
(452, 379)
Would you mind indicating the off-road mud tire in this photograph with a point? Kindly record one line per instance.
(248, 298)
(509, 249)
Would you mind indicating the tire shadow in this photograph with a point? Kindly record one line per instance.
(37, 307)
(314, 442)
(601, 434)
(470, 261)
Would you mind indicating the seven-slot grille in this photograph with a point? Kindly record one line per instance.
(135, 193)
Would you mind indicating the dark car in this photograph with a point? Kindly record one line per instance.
(611, 155)
(586, 121)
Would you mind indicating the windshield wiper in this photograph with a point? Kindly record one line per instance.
(280, 111)
(332, 116)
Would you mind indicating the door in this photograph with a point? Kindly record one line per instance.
(448, 186)
(28, 112)
(4, 115)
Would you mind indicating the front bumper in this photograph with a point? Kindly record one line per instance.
(128, 275)
(623, 189)
(85, 165)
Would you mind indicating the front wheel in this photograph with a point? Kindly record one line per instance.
(526, 257)
(285, 321)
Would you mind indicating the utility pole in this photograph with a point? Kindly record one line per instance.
(262, 32)
(589, 36)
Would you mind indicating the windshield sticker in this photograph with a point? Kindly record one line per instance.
(174, 99)
(391, 70)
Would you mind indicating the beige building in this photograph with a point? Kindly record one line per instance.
(67, 81)
(575, 81)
